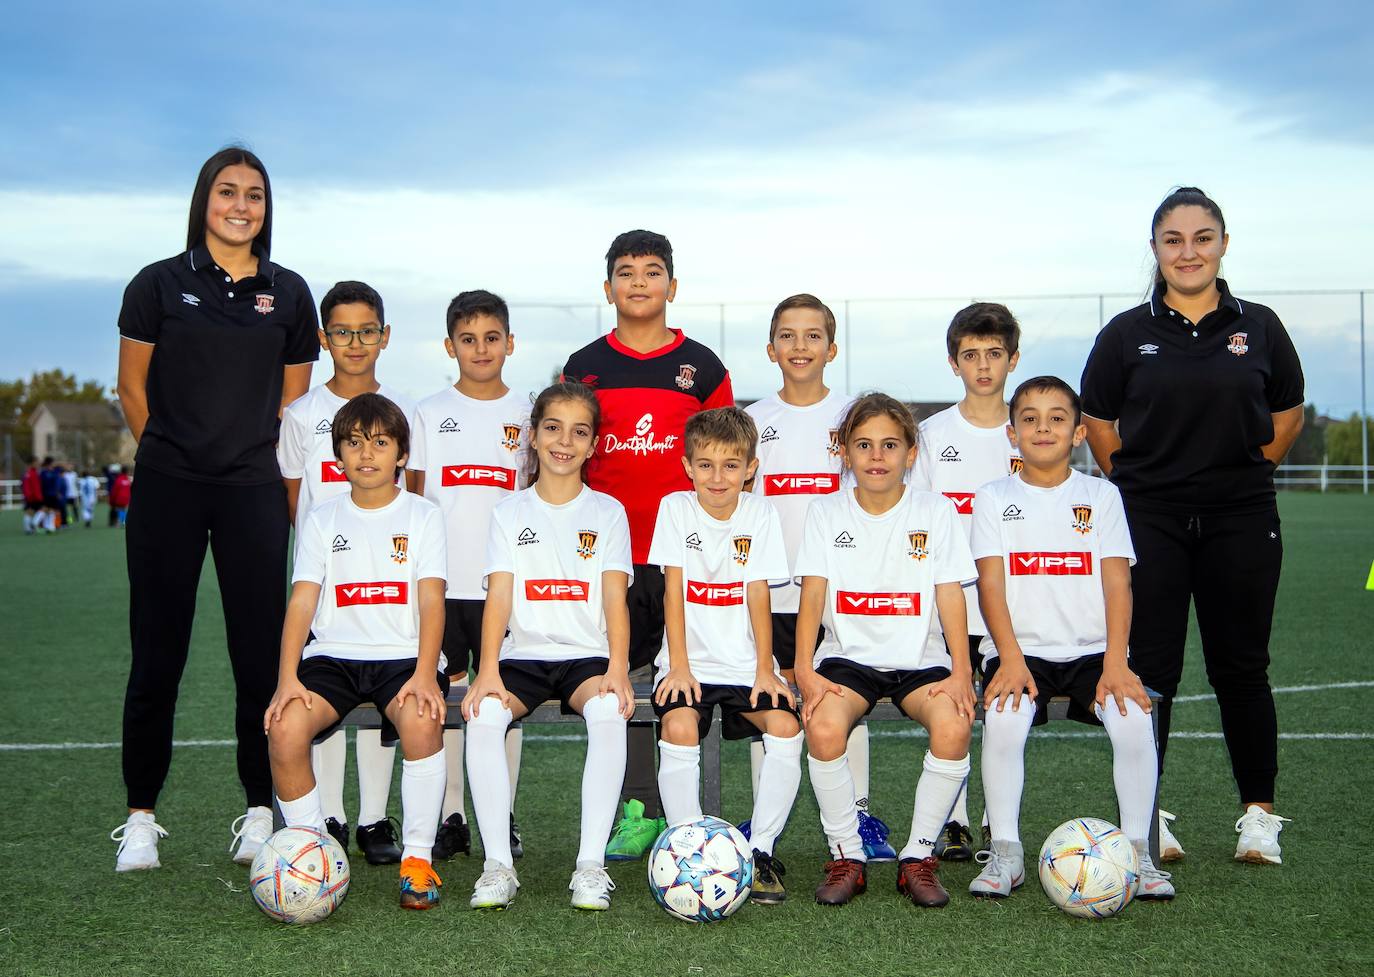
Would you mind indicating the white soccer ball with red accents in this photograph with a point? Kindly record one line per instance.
(1088, 868)
(299, 876)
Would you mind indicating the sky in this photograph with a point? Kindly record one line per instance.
(906, 157)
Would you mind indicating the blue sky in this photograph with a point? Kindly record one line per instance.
(862, 151)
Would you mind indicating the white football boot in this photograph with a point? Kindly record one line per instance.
(591, 888)
(1150, 883)
(1169, 848)
(495, 888)
(250, 830)
(1004, 870)
(1259, 836)
(137, 839)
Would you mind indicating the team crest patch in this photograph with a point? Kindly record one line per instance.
(917, 540)
(686, 376)
(834, 447)
(510, 436)
(1083, 519)
(1238, 343)
(263, 303)
(741, 544)
(399, 545)
(586, 544)
(1016, 465)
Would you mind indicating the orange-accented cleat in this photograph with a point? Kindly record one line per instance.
(419, 884)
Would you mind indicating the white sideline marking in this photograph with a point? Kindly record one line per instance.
(31, 747)
(1208, 697)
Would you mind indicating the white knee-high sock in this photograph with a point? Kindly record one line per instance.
(304, 811)
(1135, 765)
(777, 791)
(939, 785)
(857, 751)
(453, 786)
(375, 764)
(834, 787)
(488, 779)
(422, 795)
(1003, 762)
(679, 781)
(515, 740)
(327, 760)
(755, 765)
(602, 776)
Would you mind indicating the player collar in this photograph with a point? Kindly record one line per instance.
(1159, 309)
(199, 259)
(619, 347)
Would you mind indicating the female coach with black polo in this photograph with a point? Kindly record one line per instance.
(213, 342)
(1190, 401)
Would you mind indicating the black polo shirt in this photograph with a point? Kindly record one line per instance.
(215, 380)
(1193, 402)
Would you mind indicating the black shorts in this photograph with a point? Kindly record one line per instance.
(536, 682)
(734, 703)
(975, 657)
(345, 685)
(51, 502)
(874, 683)
(645, 598)
(462, 635)
(1076, 679)
(32, 505)
(785, 640)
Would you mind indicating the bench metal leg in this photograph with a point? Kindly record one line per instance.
(710, 770)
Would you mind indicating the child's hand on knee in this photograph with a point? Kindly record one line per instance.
(287, 689)
(429, 701)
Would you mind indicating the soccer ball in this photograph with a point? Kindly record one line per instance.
(299, 876)
(701, 870)
(1088, 868)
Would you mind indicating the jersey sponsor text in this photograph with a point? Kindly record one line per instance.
(503, 478)
(715, 594)
(380, 592)
(878, 604)
(817, 483)
(1051, 564)
(556, 590)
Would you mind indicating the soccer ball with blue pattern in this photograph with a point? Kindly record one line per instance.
(701, 870)
(1089, 868)
(299, 876)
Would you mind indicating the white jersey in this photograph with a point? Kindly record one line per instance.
(953, 458)
(558, 554)
(473, 455)
(881, 573)
(718, 559)
(305, 447)
(799, 459)
(1052, 543)
(368, 563)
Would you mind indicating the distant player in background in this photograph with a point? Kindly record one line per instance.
(71, 495)
(88, 488)
(32, 488)
(121, 490)
(50, 481)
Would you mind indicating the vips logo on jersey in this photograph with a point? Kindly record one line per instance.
(917, 540)
(715, 594)
(400, 543)
(642, 442)
(449, 426)
(1237, 343)
(878, 605)
(833, 448)
(556, 590)
(817, 483)
(1051, 564)
(586, 543)
(503, 478)
(741, 549)
(381, 592)
(332, 471)
(686, 376)
(263, 304)
(1016, 464)
(1082, 519)
(963, 502)
(510, 436)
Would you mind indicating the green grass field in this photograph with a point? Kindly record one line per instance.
(64, 648)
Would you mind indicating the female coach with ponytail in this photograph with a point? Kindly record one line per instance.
(213, 342)
(1190, 401)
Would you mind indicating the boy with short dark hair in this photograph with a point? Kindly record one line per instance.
(368, 585)
(961, 448)
(468, 454)
(649, 379)
(1054, 557)
(354, 332)
(719, 547)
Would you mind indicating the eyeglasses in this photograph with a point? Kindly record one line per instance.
(367, 335)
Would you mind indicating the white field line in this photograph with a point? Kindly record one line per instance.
(1209, 697)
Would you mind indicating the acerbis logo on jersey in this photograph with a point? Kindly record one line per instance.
(950, 453)
(556, 590)
(1012, 514)
(340, 545)
(686, 374)
(1016, 465)
(693, 542)
(503, 478)
(918, 540)
(448, 426)
(332, 471)
(844, 541)
(963, 502)
(1082, 519)
(741, 545)
(263, 304)
(642, 442)
(323, 427)
(526, 537)
(769, 435)
(819, 483)
(715, 594)
(1051, 564)
(510, 436)
(400, 543)
(586, 543)
(381, 592)
(878, 605)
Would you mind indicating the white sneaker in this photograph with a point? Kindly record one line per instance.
(591, 888)
(1151, 883)
(250, 830)
(495, 888)
(1169, 848)
(1004, 870)
(1259, 836)
(137, 839)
